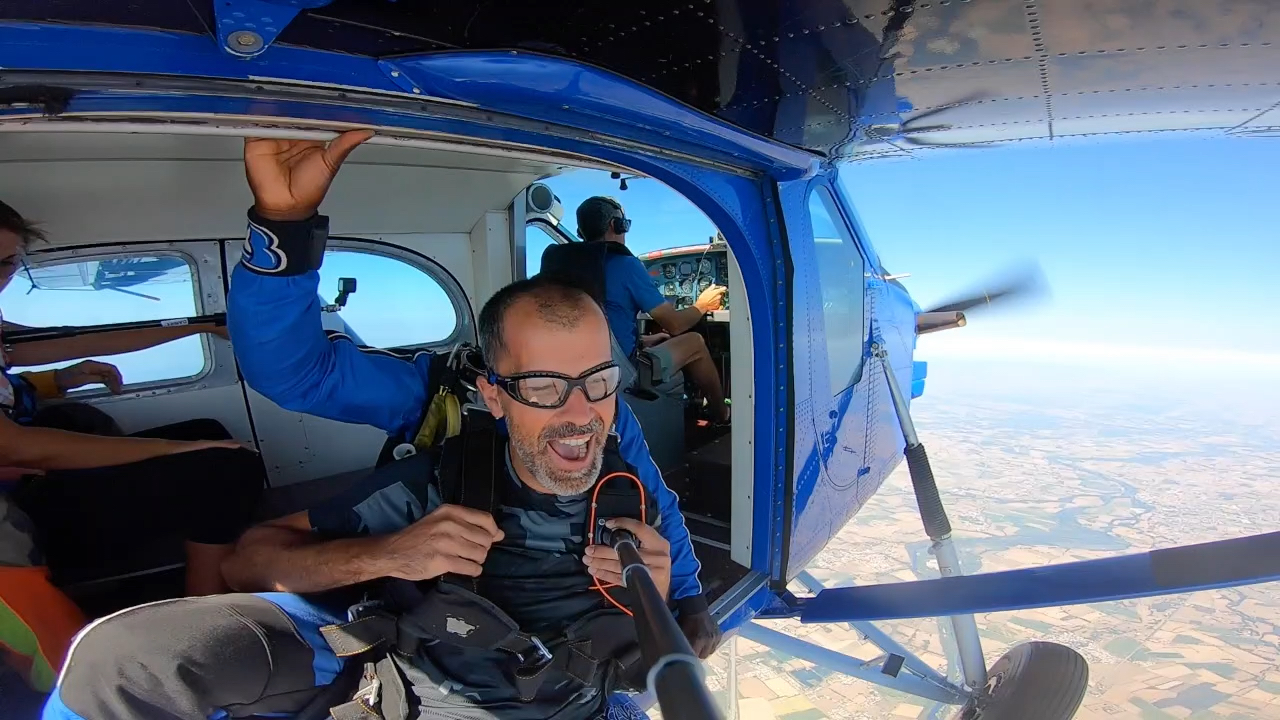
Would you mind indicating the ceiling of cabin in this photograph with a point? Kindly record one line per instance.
(93, 188)
(855, 79)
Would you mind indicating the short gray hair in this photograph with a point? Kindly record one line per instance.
(558, 304)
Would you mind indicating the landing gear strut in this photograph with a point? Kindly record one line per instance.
(1038, 680)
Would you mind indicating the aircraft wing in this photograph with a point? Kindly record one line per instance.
(853, 79)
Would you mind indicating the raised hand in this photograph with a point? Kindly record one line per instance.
(289, 178)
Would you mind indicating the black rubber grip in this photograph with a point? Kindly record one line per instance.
(936, 524)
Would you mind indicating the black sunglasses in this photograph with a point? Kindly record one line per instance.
(548, 390)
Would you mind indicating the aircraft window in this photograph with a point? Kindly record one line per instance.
(396, 303)
(103, 290)
(842, 284)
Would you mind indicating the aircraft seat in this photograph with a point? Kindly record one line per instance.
(658, 407)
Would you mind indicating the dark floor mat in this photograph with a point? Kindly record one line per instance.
(719, 573)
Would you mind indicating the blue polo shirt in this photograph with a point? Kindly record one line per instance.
(628, 291)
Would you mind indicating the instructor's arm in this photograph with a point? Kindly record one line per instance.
(287, 555)
(274, 314)
(389, 525)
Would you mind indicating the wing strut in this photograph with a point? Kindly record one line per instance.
(936, 525)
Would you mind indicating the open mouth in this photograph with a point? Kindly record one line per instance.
(572, 451)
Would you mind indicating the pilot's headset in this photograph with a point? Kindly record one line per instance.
(620, 224)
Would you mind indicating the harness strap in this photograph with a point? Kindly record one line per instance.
(472, 482)
(382, 695)
(359, 636)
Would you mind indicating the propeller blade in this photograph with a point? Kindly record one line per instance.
(1023, 285)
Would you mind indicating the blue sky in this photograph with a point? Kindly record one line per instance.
(1157, 254)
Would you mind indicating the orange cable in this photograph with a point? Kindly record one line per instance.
(592, 525)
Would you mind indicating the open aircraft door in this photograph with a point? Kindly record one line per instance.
(839, 397)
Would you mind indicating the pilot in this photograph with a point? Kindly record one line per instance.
(629, 290)
(551, 645)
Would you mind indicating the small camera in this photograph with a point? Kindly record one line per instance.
(605, 535)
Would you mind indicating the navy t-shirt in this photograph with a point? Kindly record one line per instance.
(628, 291)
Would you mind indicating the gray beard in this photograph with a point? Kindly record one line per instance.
(536, 459)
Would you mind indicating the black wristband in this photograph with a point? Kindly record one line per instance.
(284, 248)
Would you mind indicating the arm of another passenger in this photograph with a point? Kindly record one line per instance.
(48, 449)
(686, 590)
(43, 352)
(285, 354)
(391, 524)
(273, 311)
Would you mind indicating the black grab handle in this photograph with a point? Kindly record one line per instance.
(26, 335)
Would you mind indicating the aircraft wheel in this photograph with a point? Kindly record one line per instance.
(1039, 680)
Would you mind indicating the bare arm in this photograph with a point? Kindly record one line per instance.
(678, 321)
(675, 321)
(47, 449)
(284, 555)
(42, 352)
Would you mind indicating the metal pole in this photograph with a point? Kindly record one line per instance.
(936, 525)
(882, 640)
(871, 671)
(26, 335)
(676, 675)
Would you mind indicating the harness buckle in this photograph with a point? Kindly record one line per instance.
(543, 653)
(357, 611)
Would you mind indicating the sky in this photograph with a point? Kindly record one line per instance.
(1158, 257)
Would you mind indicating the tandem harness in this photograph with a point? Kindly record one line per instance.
(599, 650)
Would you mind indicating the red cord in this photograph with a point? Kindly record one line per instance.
(591, 525)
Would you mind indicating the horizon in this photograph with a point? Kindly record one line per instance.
(1169, 300)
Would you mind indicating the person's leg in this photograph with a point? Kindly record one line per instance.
(689, 352)
(86, 518)
(198, 429)
(190, 658)
(204, 557)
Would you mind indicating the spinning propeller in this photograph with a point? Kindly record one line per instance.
(1023, 284)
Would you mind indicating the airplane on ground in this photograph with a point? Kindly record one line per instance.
(121, 127)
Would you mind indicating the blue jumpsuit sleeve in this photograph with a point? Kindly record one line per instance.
(686, 590)
(285, 354)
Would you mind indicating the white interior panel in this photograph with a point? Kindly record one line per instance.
(297, 447)
(490, 256)
(136, 412)
(742, 378)
(107, 188)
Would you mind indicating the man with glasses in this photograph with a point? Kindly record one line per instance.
(494, 609)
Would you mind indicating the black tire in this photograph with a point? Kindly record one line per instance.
(1034, 681)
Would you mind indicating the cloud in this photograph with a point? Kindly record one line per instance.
(996, 348)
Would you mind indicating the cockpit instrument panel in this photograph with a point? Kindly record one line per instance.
(682, 277)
